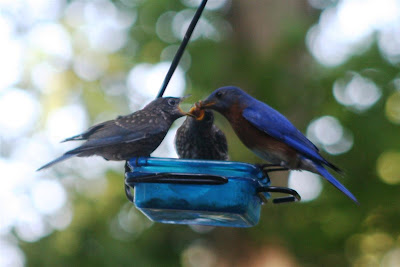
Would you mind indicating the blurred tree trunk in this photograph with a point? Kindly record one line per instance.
(259, 24)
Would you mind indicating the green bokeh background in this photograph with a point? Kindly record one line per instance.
(265, 54)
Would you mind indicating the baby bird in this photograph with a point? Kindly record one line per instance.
(199, 138)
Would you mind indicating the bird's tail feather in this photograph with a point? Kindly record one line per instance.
(73, 138)
(57, 160)
(334, 167)
(324, 172)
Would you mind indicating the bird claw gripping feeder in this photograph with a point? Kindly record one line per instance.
(182, 191)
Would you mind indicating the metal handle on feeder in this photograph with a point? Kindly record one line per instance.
(173, 178)
(179, 178)
(294, 196)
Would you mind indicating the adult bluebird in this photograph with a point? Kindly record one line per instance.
(269, 134)
(199, 138)
(133, 135)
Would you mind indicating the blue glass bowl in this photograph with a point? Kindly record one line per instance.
(219, 193)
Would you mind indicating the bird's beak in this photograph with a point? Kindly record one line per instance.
(181, 110)
(206, 104)
(186, 113)
(197, 112)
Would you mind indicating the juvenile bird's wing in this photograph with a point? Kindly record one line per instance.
(112, 127)
(98, 143)
(124, 129)
(85, 135)
(270, 121)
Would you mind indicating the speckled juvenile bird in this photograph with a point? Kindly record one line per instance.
(137, 134)
(199, 138)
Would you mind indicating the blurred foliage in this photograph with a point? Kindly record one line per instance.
(277, 69)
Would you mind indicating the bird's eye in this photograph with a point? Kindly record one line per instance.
(172, 102)
(218, 94)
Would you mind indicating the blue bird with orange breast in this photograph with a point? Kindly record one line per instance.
(269, 134)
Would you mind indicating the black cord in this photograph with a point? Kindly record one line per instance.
(182, 47)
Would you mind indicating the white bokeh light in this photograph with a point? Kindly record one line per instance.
(307, 184)
(8, 212)
(74, 14)
(19, 109)
(52, 39)
(107, 38)
(106, 26)
(359, 93)
(90, 66)
(24, 198)
(103, 12)
(17, 210)
(97, 11)
(129, 223)
(94, 168)
(41, 10)
(164, 27)
(389, 43)
(32, 150)
(199, 254)
(145, 80)
(42, 75)
(61, 219)
(348, 27)
(11, 254)
(11, 53)
(101, 24)
(343, 145)
(12, 201)
(48, 196)
(328, 132)
(204, 28)
(65, 122)
(31, 226)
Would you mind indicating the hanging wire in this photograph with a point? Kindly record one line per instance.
(182, 47)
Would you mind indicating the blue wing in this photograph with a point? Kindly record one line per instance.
(270, 121)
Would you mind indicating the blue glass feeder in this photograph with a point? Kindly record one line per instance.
(219, 193)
